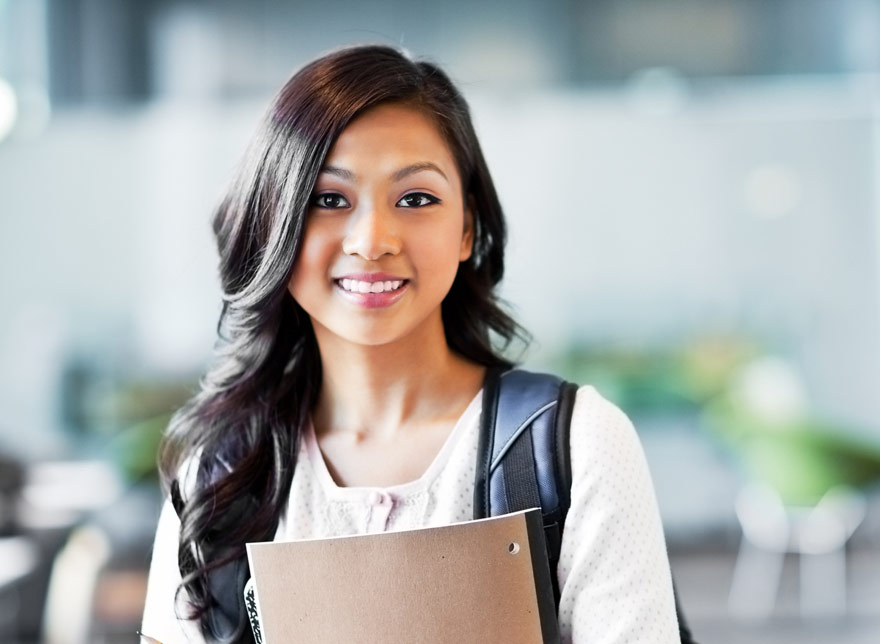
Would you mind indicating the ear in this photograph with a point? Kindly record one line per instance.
(467, 236)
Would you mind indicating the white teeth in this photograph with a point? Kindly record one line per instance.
(357, 286)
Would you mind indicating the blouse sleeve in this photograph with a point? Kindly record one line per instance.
(613, 569)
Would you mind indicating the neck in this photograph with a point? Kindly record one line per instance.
(390, 388)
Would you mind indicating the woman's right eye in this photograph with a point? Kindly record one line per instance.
(329, 201)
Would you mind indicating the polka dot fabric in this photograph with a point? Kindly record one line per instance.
(613, 570)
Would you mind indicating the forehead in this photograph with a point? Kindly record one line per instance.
(395, 132)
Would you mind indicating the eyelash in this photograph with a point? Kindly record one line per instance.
(431, 199)
(318, 201)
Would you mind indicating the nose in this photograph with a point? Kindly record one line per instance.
(371, 233)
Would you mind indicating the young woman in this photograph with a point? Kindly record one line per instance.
(360, 246)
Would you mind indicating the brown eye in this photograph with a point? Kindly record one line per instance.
(417, 200)
(329, 200)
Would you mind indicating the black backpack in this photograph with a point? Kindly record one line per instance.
(523, 457)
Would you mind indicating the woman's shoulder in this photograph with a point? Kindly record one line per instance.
(597, 424)
(592, 408)
(601, 433)
(594, 417)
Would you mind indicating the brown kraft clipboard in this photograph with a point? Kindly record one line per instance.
(474, 582)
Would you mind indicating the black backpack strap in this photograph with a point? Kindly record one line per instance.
(523, 458)
(485, 443)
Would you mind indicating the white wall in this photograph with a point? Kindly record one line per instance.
(750, 208)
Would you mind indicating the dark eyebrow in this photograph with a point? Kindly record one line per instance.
(418, 167)
(342, 173)
(348, 175)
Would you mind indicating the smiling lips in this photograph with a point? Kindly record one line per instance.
(372, 291)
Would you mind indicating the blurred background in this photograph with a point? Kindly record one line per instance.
(692, 194)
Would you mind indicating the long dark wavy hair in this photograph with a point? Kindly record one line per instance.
(242, 427)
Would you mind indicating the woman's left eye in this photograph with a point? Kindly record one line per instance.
(417, 200)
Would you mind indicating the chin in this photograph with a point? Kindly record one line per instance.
(366, 338)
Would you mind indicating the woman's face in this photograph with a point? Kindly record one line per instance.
(385, 232)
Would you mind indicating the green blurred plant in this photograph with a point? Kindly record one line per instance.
(776, 439)
(144, 410)
(750, 402)
(679, 377)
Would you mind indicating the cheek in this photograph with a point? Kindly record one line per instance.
(295, 283)
(311, 265)
(446, 251)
